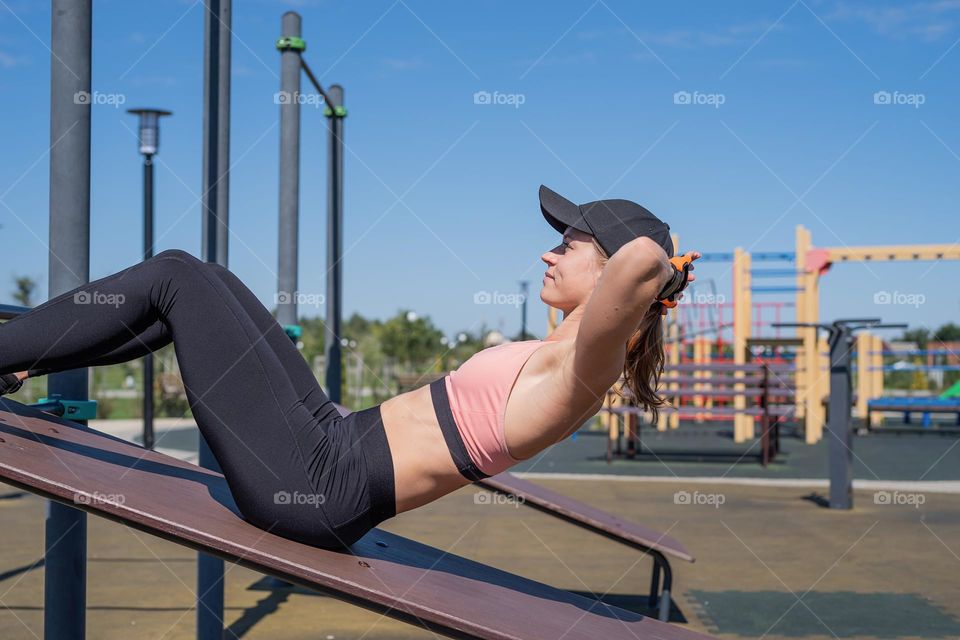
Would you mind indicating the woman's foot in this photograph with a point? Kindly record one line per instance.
(10, 383)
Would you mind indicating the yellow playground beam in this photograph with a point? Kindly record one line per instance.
(820, 259)
(812, 264)
(808, 376)
(742, 324)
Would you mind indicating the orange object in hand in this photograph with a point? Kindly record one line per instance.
(678, 281)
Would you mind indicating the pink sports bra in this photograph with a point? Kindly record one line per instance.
(478, 391)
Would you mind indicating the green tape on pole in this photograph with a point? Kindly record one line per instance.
(291, 43)
(340, 112)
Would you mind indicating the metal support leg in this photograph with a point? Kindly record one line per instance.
(660, 598)
(654, 585)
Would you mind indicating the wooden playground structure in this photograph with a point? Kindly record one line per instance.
(707, 335)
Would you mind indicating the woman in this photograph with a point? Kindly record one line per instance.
(294, 465)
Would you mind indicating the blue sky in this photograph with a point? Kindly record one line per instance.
(781, 128)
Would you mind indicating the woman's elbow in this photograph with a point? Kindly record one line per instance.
(646, 260)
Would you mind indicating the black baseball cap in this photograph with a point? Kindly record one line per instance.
(613, 223)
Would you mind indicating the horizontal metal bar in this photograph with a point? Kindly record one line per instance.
(917, 352)
(726, 367)
(918, 367)
(775, 273)
(716, 257)
(775, 289)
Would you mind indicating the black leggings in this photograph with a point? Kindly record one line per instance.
(294, 465)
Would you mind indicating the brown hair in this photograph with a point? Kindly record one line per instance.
(645, 357)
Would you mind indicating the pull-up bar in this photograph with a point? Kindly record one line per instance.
(775, 273)
(763, 256)
(298, 44)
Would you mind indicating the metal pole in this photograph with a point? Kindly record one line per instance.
(216, 126)
(765, 446)
(331, 349)
(69, 267)
(149, 144)
(289, 173)
(838, 422)
(148, 432)
(289, 211)
(216, 167)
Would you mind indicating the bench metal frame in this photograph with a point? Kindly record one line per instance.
(655, 544)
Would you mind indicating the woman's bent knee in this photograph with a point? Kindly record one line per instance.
(179, 254)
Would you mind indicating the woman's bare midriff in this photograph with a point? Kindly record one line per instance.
(422, 466)
(542, 408)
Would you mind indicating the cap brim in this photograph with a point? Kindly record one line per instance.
(560, 212)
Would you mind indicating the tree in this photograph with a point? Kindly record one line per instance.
(357, 327)
(24, 290)
(921, 336)
(949, 332)
(411, 339)
(312, 337)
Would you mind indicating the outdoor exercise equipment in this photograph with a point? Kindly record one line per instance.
(804, 268)
(71, 31)
(764, 384)
(66, 528)
(841, 341)
(291, 47)
(94, 472)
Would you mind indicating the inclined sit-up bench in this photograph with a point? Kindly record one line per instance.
(192, 506)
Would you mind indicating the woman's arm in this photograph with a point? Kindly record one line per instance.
(628, 286)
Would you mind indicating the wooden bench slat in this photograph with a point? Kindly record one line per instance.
(192, 506)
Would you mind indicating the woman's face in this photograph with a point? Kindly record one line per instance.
(573, 268)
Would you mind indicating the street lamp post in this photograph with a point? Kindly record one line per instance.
(149, 140)
(524, 289)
